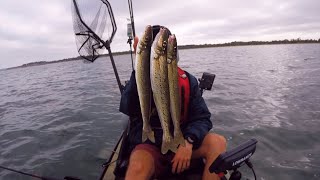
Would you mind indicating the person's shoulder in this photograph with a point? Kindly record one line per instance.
(192, 79)
(193, 83)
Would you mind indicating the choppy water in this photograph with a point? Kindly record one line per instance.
(62, 119)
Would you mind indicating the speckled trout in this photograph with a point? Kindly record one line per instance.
(160, 87)
(173, 77)
(142, 74)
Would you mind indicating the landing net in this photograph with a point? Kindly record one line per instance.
(94, 27)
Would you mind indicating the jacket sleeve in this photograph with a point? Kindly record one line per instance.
(198, 123)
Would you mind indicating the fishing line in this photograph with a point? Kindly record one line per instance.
(20, 172)
(36, 176)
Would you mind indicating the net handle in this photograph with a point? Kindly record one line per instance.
(113, 22)
(106, 43)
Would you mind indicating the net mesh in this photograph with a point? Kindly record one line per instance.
(92, 25)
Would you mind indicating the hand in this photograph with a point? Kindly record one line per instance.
(181, 160)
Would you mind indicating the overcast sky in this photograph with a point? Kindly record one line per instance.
(37, 30)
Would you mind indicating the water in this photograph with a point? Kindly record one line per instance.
(62, 119)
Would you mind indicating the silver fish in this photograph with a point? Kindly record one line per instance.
(142, 74)
(160, 87)
(173, 77)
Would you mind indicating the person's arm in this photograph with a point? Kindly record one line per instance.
(196, 127)
(198, 123)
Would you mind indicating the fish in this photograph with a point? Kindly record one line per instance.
(142, 75)
(160, 87)
(173, 77)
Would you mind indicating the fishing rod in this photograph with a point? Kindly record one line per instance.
(131, 32)
(132, 17)
(36, 176)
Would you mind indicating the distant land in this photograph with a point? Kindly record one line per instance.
(191, 46)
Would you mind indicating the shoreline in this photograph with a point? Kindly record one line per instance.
(182, 47)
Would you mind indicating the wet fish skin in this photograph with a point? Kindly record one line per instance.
(173, 77)
(142, 74)
(160, 87)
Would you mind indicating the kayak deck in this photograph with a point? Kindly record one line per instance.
(108, 172)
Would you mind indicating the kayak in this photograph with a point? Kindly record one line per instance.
(108, 172)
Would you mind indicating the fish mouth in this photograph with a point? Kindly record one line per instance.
(172, 47)
(163, 40)
(148, 29)
(147, 38)
(171, 38)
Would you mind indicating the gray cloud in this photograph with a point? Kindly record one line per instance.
(37, 30)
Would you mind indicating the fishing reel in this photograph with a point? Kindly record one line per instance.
(234, 159)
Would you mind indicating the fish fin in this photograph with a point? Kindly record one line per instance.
(169, 145)
(179, 139)
(148, 135)
(165, 147)
(173, 146)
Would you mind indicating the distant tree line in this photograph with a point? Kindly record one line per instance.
(234, 43)
(242, 43)
(36, 63)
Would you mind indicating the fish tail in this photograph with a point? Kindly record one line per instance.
(179, 139)
(168, 144)
(165, 147)
(147, 133)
